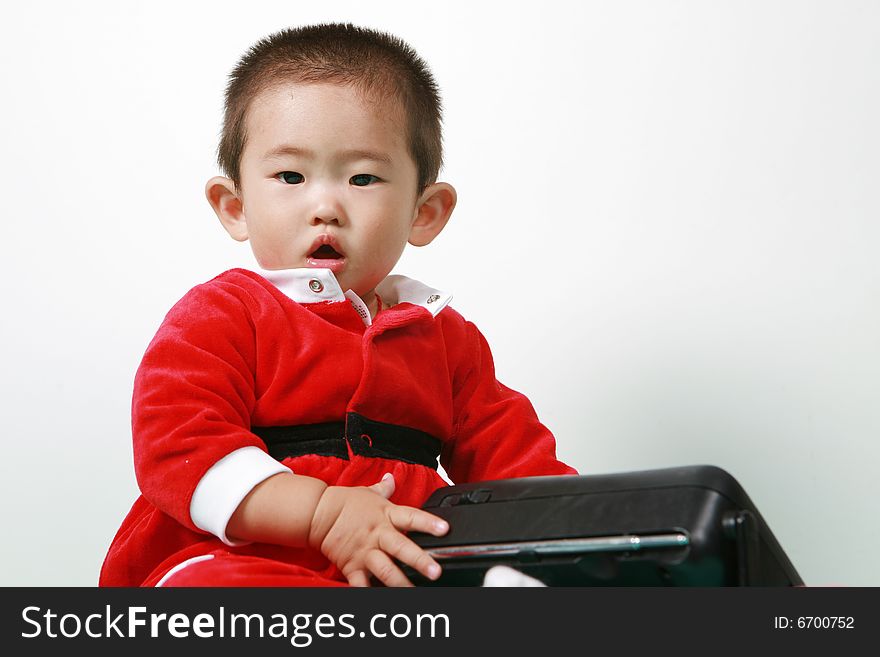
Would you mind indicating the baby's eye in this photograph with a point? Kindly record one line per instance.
(291, 177)
(363, 179)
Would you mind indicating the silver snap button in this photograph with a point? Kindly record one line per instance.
(315, 285)
(433, 298)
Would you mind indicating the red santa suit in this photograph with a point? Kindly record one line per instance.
(248, 377)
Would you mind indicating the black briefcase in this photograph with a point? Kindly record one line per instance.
(687, 526)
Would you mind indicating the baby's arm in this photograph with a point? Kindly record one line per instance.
(497, 434)
(357, 528)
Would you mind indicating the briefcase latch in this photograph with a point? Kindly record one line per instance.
(471, 497)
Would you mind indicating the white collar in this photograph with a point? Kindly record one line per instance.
(307, 285)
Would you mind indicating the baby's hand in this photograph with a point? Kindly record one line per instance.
(359, 530)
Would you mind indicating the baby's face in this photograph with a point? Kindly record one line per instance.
(327, 181)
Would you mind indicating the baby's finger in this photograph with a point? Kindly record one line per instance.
(381, 565)
(406, 551)
(385, 486)
(358, 578)
(407, 518)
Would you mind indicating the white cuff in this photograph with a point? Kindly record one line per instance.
(226, 484)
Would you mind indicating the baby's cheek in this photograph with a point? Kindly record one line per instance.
(268, 258)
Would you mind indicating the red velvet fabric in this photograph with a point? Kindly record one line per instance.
(236, 352)
(230, 569)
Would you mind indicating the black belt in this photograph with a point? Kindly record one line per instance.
(365, 437)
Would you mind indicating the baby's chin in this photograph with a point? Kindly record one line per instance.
(351, 277)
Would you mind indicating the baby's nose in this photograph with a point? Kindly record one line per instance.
(326, 208)
(325, 218)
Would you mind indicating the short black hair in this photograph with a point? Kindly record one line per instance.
(376, 62)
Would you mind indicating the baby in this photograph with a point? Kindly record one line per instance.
(287, 424)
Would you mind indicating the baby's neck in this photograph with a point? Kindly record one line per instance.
(373, 303)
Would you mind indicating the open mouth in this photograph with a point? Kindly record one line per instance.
(325, 252)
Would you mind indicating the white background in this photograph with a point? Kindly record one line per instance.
(667, 228)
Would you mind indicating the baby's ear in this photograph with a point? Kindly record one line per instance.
(434, 208)
(224, 198)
